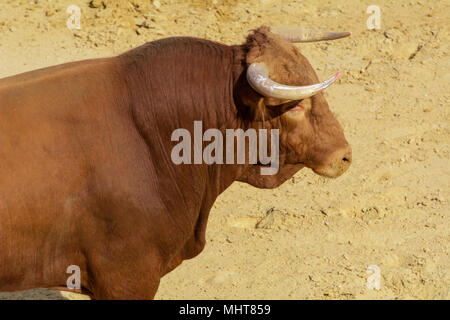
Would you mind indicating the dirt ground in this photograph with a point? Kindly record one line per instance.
(312, 238)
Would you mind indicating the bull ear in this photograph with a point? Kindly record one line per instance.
(259, 108)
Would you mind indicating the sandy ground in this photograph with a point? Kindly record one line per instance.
(312, 238)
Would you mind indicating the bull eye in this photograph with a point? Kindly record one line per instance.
(298, 108)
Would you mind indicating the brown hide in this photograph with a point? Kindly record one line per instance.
(86, 173)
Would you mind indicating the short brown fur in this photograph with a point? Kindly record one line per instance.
(85, 167)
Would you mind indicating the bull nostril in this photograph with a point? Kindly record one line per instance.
(347, 156)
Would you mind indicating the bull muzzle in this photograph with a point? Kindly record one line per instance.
(336, 164)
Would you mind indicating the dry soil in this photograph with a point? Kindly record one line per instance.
(312, 238)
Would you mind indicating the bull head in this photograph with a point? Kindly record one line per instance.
(258, 73)
(286, 90)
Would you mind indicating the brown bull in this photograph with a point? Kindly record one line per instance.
(86, 175)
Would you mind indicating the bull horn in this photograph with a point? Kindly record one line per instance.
(294, 34)
(258, 78)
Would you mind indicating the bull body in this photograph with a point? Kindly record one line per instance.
(86, 177)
